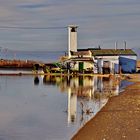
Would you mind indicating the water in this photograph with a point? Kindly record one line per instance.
(50, 107)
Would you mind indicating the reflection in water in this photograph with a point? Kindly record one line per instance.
(72, 106)
(54, 109)
(86, 95)
(36, 80)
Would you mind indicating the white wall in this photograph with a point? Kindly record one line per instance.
(112, 59)
(72, 40)
(86, 65)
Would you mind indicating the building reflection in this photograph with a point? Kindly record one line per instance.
(72, 106)
(36, 80)
(86, 94)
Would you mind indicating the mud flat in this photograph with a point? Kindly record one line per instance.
(119, 119)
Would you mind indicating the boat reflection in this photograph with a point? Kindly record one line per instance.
(86, 94)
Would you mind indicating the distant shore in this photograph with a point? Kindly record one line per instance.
(119, 119)
(17, 64)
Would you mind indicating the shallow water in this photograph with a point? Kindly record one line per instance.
(50, 108)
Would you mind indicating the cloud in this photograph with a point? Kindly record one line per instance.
(33, 6)
(100, 22)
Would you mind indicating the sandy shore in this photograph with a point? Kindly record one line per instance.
(119, 119)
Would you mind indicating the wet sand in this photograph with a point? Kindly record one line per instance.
(119, 119)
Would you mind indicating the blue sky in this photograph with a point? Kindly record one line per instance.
(101, 22)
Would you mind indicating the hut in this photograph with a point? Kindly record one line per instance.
(106, 61)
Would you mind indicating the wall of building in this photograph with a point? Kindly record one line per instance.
(72, 39)
(113, 63)
(87, 65)
(128, 64)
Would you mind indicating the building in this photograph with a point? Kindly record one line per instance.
(97, 60)
(108, 61)
(79, 61)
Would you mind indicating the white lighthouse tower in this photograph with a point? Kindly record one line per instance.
(72, 39)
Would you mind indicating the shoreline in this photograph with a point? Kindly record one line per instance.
(40, 72)
(113, 121)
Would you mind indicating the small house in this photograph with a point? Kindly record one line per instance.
(81, 61)
(106, 61)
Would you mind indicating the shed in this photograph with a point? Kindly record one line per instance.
(106, 61)
(115, 60)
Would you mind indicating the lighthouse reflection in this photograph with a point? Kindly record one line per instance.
(86, 95)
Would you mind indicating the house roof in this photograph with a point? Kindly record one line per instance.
(81, 59)
(111, 52)
(83, 52)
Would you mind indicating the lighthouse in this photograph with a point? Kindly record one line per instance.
(72, 39)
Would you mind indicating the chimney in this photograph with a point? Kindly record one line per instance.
(116, 45)
(72, 39)
(124, 45)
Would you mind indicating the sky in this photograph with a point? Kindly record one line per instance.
(41, 25)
